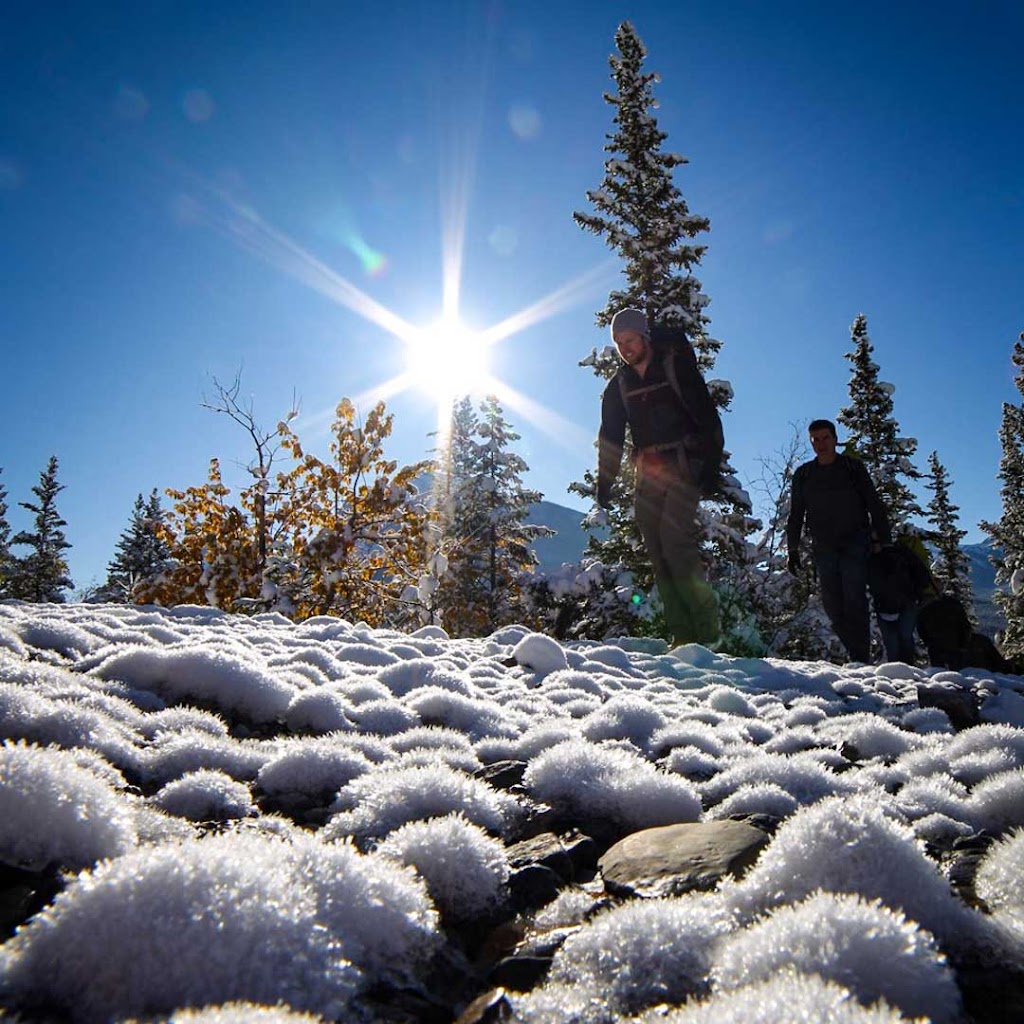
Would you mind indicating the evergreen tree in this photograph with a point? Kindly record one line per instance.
(875, 434)
(42, 574)
(1008, 533)
(951, 567)
(143, 553)
(6, 559)
(644, 218)
(487, 540)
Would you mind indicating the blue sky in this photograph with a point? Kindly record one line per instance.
(187, 190)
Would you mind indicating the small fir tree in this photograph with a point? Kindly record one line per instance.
(875, 433)
(1008, 532)
(951, 567)
(142, 553)
(6, 558)
(484, 533)
(42, 575)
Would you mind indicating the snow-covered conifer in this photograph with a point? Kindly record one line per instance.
(485, 536)
(952, 566)
(6, 559)
(1007, 532)
(644, 218)
(42, 575)
(142, 552)
(875, 433)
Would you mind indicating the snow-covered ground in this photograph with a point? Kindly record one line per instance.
(164, 760)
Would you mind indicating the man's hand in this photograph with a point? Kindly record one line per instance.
(794, 563)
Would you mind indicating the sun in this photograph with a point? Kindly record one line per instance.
(448, 359)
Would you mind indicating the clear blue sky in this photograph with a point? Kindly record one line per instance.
(176, 179)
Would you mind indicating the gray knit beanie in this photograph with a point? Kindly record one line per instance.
(630, 320)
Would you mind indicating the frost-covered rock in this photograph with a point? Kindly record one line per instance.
(643, 953)
(54, 811)
(865, 947)
(206, 795)
(228, 918)
(465, 869)
(593, 783)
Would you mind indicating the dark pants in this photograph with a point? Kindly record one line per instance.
(843, 577)
(898, 635)
(666, 514)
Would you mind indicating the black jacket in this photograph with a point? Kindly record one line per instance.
(897, 579)
(838, 501)
(657, 416)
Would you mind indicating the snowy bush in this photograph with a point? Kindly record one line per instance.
(206, 795)
(938, 794)
(174, 754)
(380, 801)
(692, 762)
(999, 875)
(406, 676)
(848, 845)
(475, 717)
(997, 803)
(869, 735)
(644, 952)
(624, 717)
(756, 798)
(464, 868)
(592, 782)
(231, 917)
(383, 717)
(803, 778)
(225, 679)
(787, 998)
(241, 1013)
(320, 709)
(54, 811)
(865, 947)
(311, 767)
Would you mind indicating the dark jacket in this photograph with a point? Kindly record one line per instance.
(897, 579)
(658, 417)
(838, 501)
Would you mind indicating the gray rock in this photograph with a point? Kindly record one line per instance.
(675, 859)
(569, 856)
(960, 705)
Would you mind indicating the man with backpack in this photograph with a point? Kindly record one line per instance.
(835, 495)
(677, 445)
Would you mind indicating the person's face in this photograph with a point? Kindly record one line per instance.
(823, 441)
(632, 347)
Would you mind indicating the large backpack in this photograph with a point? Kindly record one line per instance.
(693, 394)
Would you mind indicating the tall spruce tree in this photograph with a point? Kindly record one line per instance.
(42, 575)
(875, 433)
(951, 567)
(644, 218)
(142, 552)
(6, 559)
(1008, 532)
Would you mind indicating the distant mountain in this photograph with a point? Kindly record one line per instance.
(983, 584)
(568, 544)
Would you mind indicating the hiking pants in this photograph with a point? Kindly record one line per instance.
(898, 635)
(843, 577)
(666, 513)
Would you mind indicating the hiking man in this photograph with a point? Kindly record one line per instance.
(677, 450)
(842, 508)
